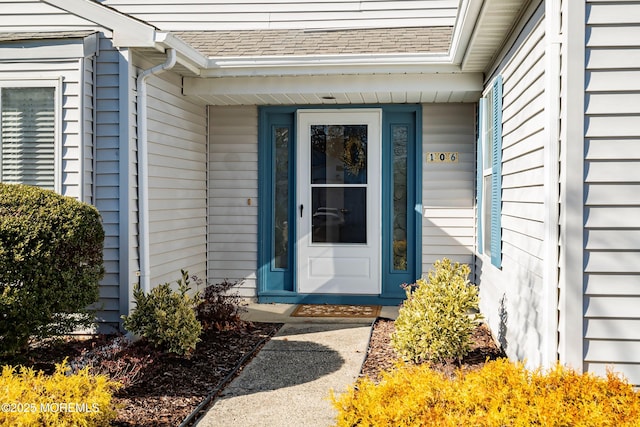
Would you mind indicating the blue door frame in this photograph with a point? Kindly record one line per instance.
(277, 189)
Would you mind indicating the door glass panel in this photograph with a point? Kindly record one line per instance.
(400, 136)
(339, 214)
(281, 214)
(338, 154)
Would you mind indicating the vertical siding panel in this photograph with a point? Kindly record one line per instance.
(177, 180)
(233, 203)
(448, 226)
(107, 175)
(511, 297)
(612, 267)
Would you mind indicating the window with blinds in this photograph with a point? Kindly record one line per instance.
(27, 136)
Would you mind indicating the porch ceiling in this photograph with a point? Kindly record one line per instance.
(336, 89)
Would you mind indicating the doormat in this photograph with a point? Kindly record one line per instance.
(331, 310)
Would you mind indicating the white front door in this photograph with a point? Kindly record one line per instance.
(338, 194)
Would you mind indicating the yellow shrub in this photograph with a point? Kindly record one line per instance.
(29, 398)
(502, 393)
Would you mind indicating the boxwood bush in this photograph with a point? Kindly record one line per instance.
(50, 264)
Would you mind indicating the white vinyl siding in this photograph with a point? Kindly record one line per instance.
(448, 225)
(264, 14)
(511, 297)
(612, 188)
(233, 192)
(33, 15)
(177, 180)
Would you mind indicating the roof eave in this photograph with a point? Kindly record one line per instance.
(466, 21)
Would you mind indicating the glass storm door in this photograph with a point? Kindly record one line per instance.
(338, 195)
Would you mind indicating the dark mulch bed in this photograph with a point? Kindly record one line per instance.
(381, 356)
(172, 387)
(168, 388)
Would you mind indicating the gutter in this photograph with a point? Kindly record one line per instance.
(297, 65)
(143, 166)
(188, 57)
(552, 182)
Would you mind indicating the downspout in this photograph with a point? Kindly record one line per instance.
(143, 167)
(552, 182)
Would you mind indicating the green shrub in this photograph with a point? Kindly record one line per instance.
(166, 318)
(50, 264)
(499, 394)
(435, 321)
(30, 398)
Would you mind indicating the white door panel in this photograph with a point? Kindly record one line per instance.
(338, 192)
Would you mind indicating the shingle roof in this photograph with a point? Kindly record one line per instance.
(319, 42)
(9, 37)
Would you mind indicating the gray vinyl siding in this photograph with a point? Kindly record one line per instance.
(511, 297)
(612, 189)
(107, 175)
(177, 180)
(448, 223)
(206, 15)
(233, 196)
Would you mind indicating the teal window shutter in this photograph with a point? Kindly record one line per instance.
(479, 170)
(496, 175)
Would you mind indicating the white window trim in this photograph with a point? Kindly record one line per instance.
(56, 84)
(487, 143)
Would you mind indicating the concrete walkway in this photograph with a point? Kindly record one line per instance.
(288, 382)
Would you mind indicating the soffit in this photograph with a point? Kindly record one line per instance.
(336, 89)
(495, 22)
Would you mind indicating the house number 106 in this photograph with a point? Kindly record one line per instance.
(442, 157)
